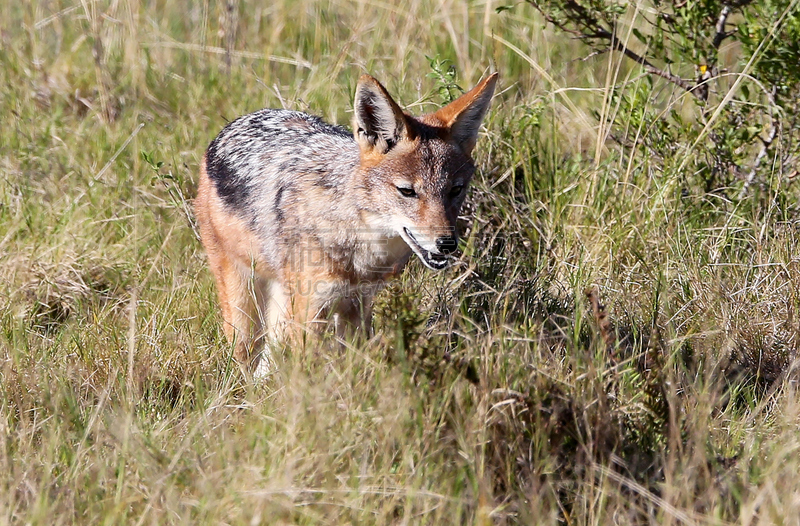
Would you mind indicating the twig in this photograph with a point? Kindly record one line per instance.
(646, 64)
(720, 27)
(593, 54)
(650, 68)
(592, 29)
(766, 143)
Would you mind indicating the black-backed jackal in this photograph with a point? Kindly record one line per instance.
(304, 221)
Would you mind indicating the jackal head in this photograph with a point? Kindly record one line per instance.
(415, 171)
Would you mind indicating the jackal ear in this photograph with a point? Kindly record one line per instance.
(379, 121)
(465, 114)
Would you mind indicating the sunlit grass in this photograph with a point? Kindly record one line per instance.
(495, 392)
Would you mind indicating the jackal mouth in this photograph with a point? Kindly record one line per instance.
(431, 260)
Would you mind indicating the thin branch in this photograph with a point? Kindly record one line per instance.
(766, 143)
(593, 29)
(720, 27)
(593, 54)
(650, 68)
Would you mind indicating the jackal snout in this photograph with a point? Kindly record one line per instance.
(417, 170)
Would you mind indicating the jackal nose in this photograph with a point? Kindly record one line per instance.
(446, 244)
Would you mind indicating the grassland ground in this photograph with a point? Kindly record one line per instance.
(618, 343)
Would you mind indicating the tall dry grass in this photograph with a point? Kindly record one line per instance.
(496, 392)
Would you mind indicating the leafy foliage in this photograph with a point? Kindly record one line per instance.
(443, 71)
(745, 100)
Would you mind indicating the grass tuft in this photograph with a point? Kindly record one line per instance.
(618, 342)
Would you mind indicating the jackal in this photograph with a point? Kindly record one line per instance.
(303, 221)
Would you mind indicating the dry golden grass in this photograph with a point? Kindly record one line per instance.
(496, 392)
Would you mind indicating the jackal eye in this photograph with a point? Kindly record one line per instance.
(406, 192)
(456, 191)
